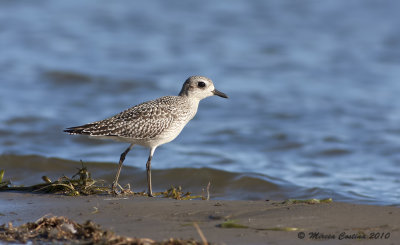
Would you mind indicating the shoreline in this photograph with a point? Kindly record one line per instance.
(28, 170)
(261, 222)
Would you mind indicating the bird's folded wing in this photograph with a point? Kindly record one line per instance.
(144, 121)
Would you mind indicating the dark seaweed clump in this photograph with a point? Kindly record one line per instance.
(65, 231)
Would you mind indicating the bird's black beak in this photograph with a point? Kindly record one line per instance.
(220, 94)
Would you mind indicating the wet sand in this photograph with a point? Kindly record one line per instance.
(161, 218)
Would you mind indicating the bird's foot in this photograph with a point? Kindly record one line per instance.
(116, 189)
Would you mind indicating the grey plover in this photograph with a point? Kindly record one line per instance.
(152, 123)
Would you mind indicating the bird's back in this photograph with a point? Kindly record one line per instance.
(162, 118)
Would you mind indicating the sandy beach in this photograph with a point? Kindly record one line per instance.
(264, 222)
(313, 113)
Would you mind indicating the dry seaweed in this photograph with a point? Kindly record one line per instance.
(1, 175)
(3, 183)
(62, 229)
(231, 224)
(278, 229)
(234, 224)
(82, 183)
(177, 193)
(308, 201)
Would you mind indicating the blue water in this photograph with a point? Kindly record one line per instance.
(313, 87)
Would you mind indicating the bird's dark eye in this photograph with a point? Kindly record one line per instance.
(201, 84)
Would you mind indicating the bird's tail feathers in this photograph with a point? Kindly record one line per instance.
(79, 129)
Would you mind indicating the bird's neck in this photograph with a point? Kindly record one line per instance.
(193, 103)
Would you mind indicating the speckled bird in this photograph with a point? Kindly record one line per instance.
(152, 123)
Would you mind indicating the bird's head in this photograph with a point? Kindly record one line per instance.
(200, 87)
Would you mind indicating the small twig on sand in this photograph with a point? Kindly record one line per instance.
(203, 238)
(208, 190)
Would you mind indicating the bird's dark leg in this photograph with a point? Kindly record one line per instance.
(121, 160)
(148, 168)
